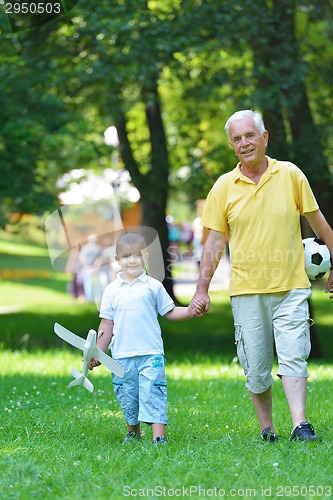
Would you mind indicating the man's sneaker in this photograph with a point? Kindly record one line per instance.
(304, 432)
(132, 436)
(269, 436)
(159, 440)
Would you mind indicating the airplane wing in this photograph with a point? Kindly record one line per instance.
(69, 336)
(108, 362)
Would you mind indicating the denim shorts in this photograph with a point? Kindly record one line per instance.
(142, 392)
(266, 320)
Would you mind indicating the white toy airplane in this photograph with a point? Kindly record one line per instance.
(90, 350)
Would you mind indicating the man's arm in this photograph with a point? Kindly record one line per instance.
(323, 231)
(211, 256)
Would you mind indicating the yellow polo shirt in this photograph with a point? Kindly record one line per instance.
(263, 224)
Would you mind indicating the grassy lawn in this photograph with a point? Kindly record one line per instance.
(65, 443)
(60, 442)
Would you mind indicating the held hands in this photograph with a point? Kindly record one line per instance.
(197, 307)
(199, 304)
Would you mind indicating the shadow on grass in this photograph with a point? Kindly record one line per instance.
(31, 330)
(210, 335)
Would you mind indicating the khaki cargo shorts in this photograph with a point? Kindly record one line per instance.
(263, 321)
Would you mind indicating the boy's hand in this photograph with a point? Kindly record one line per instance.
(93, 363)
(196, 308)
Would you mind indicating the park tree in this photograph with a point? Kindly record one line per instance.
(281, 72)
(167, 74)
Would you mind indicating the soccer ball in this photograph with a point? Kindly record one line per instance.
(317, 258)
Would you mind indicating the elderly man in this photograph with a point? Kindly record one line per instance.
(257, 206)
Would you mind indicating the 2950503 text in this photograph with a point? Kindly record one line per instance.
(303, 491)
(33, 8)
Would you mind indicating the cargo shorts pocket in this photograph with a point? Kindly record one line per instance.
(307, 338)
(158, 402)
(120, 395)
(241, 352)
(118, 389)
(161, 387)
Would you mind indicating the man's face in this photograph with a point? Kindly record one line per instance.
(249, 145)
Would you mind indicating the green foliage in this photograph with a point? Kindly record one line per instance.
(167, 74)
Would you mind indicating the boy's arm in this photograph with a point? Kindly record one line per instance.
(105, 334)
(178, 313)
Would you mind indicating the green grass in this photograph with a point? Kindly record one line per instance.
(60, 442)
(65, 443)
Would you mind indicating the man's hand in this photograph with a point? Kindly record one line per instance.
(329, 285)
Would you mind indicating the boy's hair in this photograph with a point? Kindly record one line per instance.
(130, 238)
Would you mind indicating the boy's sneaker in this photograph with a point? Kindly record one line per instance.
(132, 436)
(269, 436)
(159, 440)
(304, 432)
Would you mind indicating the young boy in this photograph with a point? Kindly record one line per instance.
(129, 310)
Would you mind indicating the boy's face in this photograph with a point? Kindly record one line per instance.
(132, 259)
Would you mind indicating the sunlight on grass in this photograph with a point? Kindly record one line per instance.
(326, 320)
(321, 371)
(46, 363)
(60, 361)
(204, 370)
(26, 295)
(23, 249)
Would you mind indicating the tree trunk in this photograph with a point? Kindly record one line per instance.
(155, 191)
(307, 149)
(153, 186)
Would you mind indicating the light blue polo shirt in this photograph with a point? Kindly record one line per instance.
(134, 307)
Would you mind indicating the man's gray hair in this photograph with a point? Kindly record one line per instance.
(240, 115)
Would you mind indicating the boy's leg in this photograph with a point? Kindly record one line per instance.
(134, 428)
(127, 392)
(153, 393)
(158, 430)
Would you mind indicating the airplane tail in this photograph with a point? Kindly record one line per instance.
(80, 379)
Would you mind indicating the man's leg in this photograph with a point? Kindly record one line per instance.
(295, 391)
(255, 351)
(263, 405)
(292, 340)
